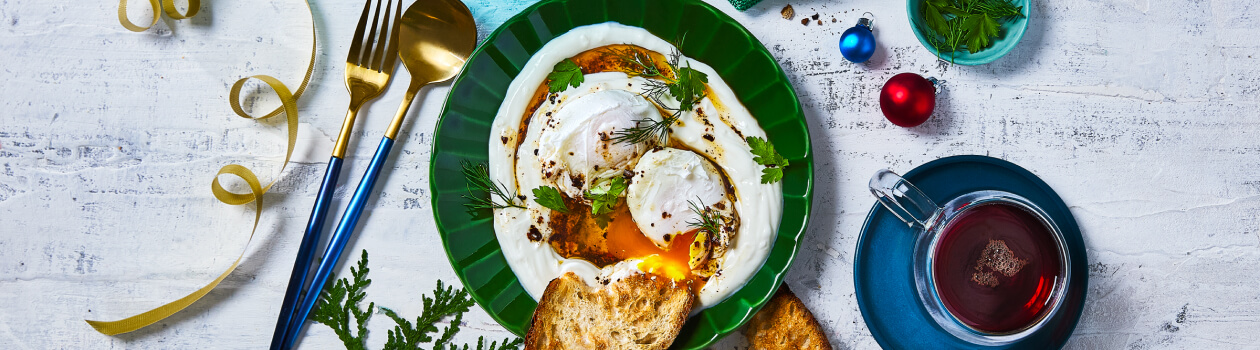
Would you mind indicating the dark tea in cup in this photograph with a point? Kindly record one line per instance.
(996, 267)
(989, 266)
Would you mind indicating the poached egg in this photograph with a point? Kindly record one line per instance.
(577, 143)
(666, 183)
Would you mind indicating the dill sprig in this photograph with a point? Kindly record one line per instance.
(478, 176)
(647, 130)
(645, 65)
(654, 89)
(684, 84)
(340, 300)
(709, 219)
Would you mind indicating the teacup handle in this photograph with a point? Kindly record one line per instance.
(904, 200)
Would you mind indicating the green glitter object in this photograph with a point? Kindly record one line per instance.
(744, 4)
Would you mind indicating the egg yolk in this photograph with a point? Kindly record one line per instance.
(577, 236)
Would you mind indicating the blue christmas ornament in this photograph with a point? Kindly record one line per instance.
(858, 43)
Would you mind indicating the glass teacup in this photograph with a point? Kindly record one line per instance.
(990, 267)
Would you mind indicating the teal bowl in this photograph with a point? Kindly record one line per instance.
(1012, 32)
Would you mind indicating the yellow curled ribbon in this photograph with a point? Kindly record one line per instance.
(167, 6)
(288, 106)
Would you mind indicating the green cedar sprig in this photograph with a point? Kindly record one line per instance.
(445, 302)
(340, 300)
(764, 154)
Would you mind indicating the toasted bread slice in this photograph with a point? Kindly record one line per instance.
(638, 312)
(785, 323)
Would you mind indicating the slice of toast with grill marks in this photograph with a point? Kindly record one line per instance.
(640, 312)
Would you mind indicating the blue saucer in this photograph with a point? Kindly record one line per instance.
(882, 267)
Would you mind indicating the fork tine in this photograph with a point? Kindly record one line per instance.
(371, 37)
(392, 51)
(382, 41)
(356, 43)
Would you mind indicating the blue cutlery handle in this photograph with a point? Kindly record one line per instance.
(314, 228)
(345, 229)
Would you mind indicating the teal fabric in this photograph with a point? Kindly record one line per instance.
(744, 4)
(492, 13)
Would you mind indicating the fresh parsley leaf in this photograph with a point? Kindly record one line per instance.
(563, 75)
(764, 154)
(771, 175)
(980, 28)
(933, 17)
(604, 196)
(689, 87)
(550, 197)
(340, 300)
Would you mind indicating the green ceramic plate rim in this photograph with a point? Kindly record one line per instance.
(694, 335)
(1014, 33)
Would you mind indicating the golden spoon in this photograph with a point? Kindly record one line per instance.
(435, 39)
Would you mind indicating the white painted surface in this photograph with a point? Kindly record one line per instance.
(1141, 115)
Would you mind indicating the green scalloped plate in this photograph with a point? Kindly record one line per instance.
(463, 133)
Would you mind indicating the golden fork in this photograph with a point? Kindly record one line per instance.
(368, 69)
(367, 75)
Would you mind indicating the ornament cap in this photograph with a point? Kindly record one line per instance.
(867, 20)
(937, 84)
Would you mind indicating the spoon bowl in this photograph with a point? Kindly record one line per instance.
(435, 38)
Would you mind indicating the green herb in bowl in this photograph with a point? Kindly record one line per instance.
(952, 28)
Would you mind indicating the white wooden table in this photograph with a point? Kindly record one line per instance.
(1141, 114)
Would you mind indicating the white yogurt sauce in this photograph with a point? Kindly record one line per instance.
(535, 264)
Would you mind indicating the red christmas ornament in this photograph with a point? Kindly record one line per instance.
(908, 99)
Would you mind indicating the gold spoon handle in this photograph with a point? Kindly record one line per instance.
(396, 124)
